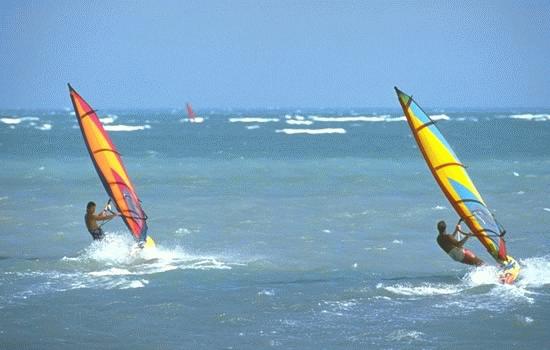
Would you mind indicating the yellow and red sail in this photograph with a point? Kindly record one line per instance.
(110, 168)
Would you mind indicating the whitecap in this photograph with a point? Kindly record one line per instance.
(109, 119)
(532, 117)
(122, 127)
(15, 121)
(298, 122)
(253, 120)
(439, 117)
(439, 207)
(114, 271)
(135, 284)
(312, 131)
(252, 127)
(267, 292)
(403, 335)
(44, 127)
(425, 289)
(380, 118)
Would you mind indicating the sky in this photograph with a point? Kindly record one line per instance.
(274, 54)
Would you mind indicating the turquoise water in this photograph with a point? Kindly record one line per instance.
(291, 229)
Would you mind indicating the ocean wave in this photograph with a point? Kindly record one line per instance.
(533, 117)
(122, 127)
(424, 289)
(312, 131)
(381, 118)
(253, 120)
(114, 263)
(404, 335)
(298, 122)
(267, 292)
(109, 119)
(252, 127)
(439, 117)
(44, 127)
(15, 120)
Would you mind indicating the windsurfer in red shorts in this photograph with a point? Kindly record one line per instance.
(454, 248)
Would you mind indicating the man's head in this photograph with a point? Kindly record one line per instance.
(90, 207)
(441, 227)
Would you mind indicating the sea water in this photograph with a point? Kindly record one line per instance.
(275, 228)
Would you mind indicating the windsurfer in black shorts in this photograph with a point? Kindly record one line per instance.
(91, 220)
(454, 248)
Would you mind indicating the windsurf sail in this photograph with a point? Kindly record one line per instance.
(109, 167)
(191, 116)
(454, 181)
(190, 113)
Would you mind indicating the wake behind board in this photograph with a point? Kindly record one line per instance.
(451, 176)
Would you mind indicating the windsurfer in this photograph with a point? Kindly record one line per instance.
(454, 248)
(91, 220)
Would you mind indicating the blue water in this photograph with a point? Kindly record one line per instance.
(290, 229)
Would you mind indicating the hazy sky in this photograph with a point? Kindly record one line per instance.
(274, 53)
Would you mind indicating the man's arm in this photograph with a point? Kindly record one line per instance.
(103, 217)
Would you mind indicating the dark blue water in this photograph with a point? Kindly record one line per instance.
(292, 229)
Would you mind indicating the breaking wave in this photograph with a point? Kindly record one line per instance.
(312, 131)
(122, 127)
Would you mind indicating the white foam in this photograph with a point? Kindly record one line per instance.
(114, 271)
(439, 117)
(482, 275)
(122, 127)
(298, 122)
(439, 207)
(15, 121)
(403, 335)
(515, 173)
(253, 120)
(136, 284)
(109, 119)
(252, 127)
(44, 127)
(546, 209)
(533, 117)
(381, 118)
(267, 292)
(312, 131)
(425, 289)
(397, 241)
(197, 120)
(535, 272)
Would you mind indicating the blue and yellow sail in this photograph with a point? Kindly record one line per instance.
(454, 181)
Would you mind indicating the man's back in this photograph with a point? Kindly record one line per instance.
(447, 242)
(91, 221)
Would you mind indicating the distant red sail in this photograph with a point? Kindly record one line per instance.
(190, 112)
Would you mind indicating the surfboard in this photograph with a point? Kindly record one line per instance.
(111, 171)
(453, 179)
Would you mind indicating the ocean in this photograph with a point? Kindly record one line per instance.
(275, 228)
